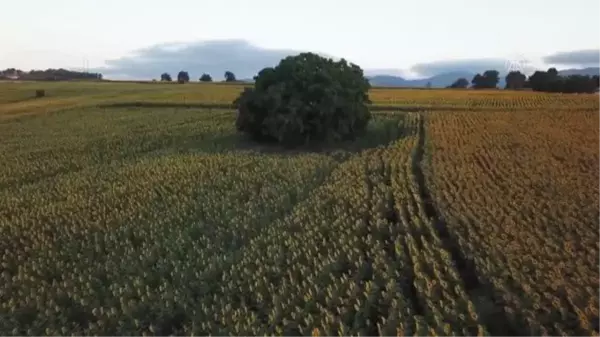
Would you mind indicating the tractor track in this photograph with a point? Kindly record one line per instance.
(479, 290)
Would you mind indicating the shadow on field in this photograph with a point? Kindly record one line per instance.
(380, 133)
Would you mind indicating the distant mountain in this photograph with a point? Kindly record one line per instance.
(437, 81)
(387, 81)
(591, 71)
(445, 79)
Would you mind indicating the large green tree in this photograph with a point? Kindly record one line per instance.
(304, 99)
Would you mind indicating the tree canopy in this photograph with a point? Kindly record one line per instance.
(229, 76)
(165, 77)
(551, 81)
(460, 83)
(515, 80)
(205, 78)
(488, 80)
(48, 75)
(183, 77)
(305, 98)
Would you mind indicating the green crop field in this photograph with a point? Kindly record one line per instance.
(137, 209)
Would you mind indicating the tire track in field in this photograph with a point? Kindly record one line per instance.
(479, 290)
(401, 219)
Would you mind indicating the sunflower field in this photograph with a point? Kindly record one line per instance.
(475, 214)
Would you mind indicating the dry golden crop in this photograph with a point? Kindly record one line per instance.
(17, 99)
(519, 193)
(478, 100)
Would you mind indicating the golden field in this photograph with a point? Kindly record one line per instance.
(17, 98)
(519, 194)
(461, 212)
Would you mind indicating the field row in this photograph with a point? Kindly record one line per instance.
(519, 192)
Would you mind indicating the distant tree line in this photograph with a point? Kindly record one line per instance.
(551, 81)
(546, 81)
(184, 77)
(47, 75)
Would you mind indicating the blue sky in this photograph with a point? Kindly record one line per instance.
(393, 35)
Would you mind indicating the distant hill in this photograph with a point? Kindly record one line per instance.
(445, 79)
(437, 81)
(591, 71)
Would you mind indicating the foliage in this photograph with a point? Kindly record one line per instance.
(47, 75)
(540, 81)
(515, 80)
(488, 80)
(550, 81)
(229, 76)
(305, 99)
(205, 78)
(165, 77)
(460, 83)
(183, 77)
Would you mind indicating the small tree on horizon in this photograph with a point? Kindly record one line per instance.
(183, 77)
(460, 83)
(229, 76)
(205, 78)
(165, 77)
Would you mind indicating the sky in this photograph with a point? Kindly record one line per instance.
(135, 38)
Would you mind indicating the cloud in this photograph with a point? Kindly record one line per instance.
(213, 57)
(575, 57)
(449, 66)
(245, 60)
(473, 66)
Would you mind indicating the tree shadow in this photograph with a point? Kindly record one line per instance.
(381, 131)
